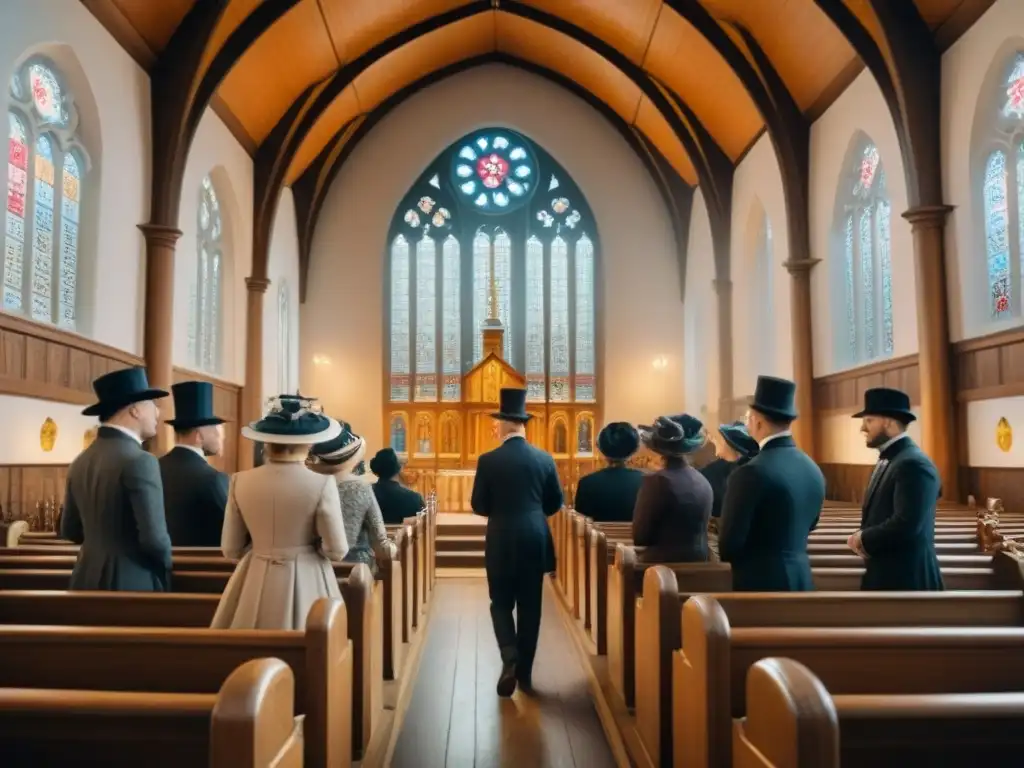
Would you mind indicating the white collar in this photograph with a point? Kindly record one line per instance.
(134, 436)
(513, 435)
(784, 433)
(196, 451)
(892, 441)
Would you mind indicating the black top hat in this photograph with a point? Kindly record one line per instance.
(292, 420)
(340, 449)
(193, 405)
(385, 464)
(775, 398)
(618, 440)
(119, 389)
(891, 403)
(513, 406)
(674, 435)
(736, 435)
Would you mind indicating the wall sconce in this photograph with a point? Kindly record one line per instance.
(660, 363)
(321, 360)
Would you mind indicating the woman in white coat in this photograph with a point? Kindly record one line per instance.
(284, 521)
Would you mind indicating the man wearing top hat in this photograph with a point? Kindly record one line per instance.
(897, 528)
(114, 501)
(516, 488)
(195, 493)
(772, 502)
(609, 495)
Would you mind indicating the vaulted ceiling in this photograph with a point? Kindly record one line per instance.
(325, 64)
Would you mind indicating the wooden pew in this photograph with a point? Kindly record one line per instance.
(792, 720)
(140, 610)
(249, 723)
(709, 672)
(179, 660)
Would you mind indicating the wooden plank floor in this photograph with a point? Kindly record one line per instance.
(455, 719)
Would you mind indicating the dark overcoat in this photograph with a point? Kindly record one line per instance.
(671, 517)
(517, 488)
(772, 503)
(114, 508)
(609, 495)
(717, 473)
(396, 502)
(898, 521)
(195, 495)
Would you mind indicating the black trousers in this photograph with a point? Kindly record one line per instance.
(523, 591)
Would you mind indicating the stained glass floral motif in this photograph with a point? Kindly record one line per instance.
(401, 365)
(42, 233)
(14, 241)
(481, 290)
(426, 320)
(558, 385)
(412, 218)
(867, 169)
(209, 279)
(46, 94)
(585, 363)
(1014, 106)
(535, 378)
(494, 171)
(426, 204)
(451, 321)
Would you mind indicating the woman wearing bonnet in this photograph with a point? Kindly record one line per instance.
(284, 521)
(364, 526)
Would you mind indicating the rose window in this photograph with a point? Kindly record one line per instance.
(495, 172)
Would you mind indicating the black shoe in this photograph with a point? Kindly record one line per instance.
(525, 683)
(507, 681)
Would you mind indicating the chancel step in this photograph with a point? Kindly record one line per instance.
(460, 541)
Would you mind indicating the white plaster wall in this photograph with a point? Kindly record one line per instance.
(112, 93)
(701, 373)
(23, 419)
(283, 265)
(860, 108)
(640, 312)
(757, 350)
(843, 443)
(982, 419)
(217, 153)
(972, 72)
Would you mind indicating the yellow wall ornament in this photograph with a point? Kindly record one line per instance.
(1004, 435)
(48, 435)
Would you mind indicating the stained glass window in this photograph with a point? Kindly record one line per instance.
(867, 260)
(46, 167)
(1014, 105)
(494, 171)
(209, 279)
(534, 371)
(481, 290)
(558, 386)
(401, 365)
(398, 434)
(503, 274)
(585, 363)
(426, 319)
(451, 324)
(284, 340)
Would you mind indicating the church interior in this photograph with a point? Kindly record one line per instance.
(626, 209)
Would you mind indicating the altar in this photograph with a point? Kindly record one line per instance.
(455, 489)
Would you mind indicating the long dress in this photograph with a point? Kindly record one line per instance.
(285, 522)
(364, 524)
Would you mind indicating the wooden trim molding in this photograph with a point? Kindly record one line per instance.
(990, 367)
(844, 391)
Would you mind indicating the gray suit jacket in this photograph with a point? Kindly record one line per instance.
(114, 508)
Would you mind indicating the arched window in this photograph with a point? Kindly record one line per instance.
(46, 167)
(1003, 195)
(492, 201)
(210, 279)
(864, 219)
(284, 339)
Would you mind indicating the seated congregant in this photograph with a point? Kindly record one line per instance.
(609, 495)
(284, 521)
(195, 493)
(364, 525)
(674, 503)
(396, 502)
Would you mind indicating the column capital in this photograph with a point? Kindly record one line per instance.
(928, 215)
(800, 266)
(160, 234)
(257, 284)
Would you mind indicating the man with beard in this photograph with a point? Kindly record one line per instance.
(897, 533)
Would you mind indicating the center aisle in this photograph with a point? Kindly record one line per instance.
(456, 719)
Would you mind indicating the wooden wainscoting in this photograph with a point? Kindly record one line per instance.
(22, 486)
(990, 367)
(227, 404)
(1006, 483)
(844, 391)
(846, 482)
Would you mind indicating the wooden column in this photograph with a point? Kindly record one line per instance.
(803, 351)
(158, 330)
(938, 427)
(252, 393)
(723, 290)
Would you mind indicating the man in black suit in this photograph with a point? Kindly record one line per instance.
(773, 502)
(609, 495)
(396, 502)
(516, 488)
(195, 493)
(897, 535)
